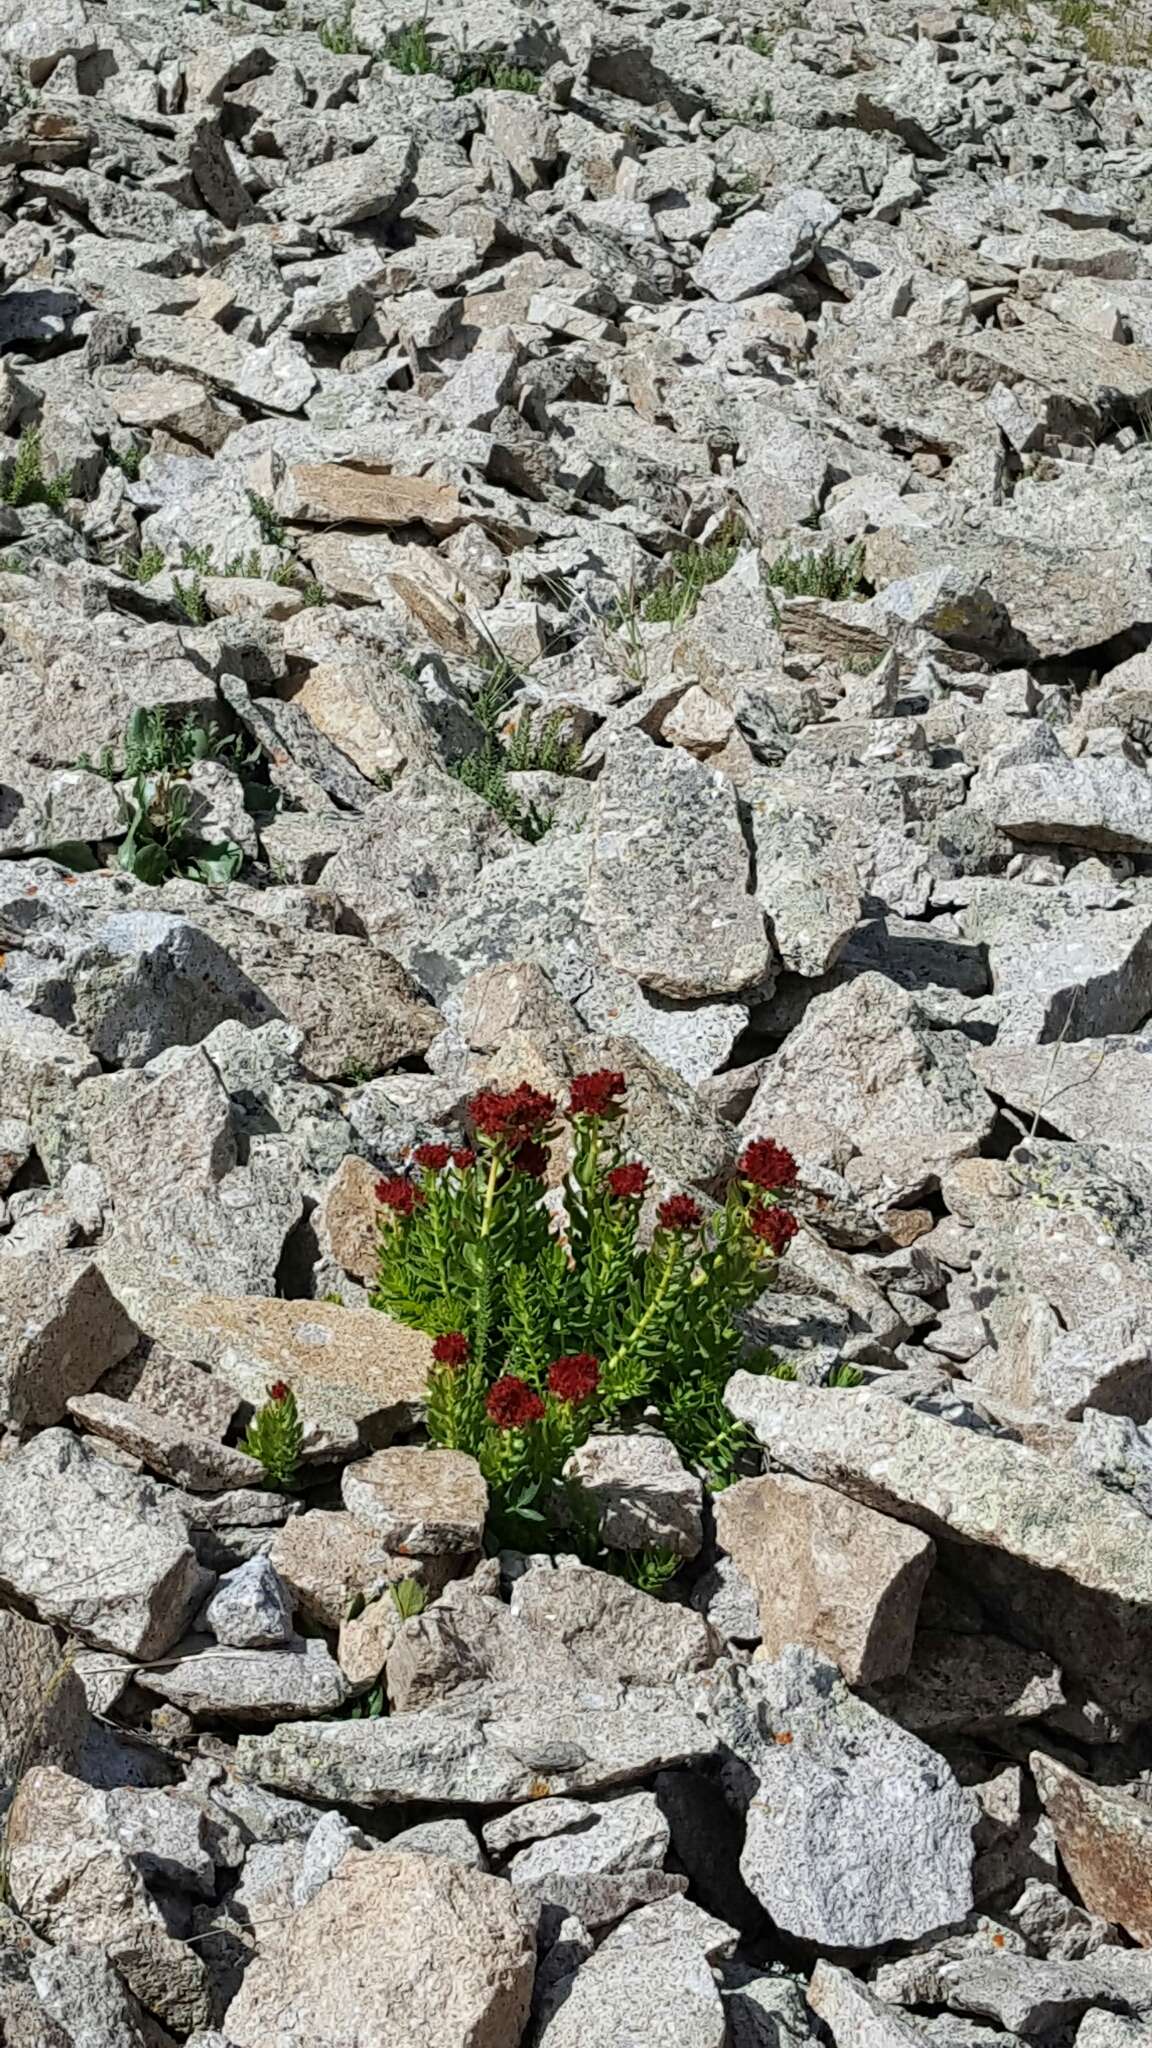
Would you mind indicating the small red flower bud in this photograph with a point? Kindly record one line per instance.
(627, 1183)
(400, 1195)
(774, 1227)
(433, 1158)
(452, 1349)
(679, 1212)
(574, 1379)
(512, 1404)
(516, 1116)
(463, 1158)
(767, 1164)
(596, 1094)
(279, 1390)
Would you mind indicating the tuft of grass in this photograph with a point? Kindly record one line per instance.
(409, 50)
(762, 40)
(12, 565)
(157, 742)
(27, 483)
(495, 74)
(540, 749)
(189, 598)
(830, 573)
(268, 520)
(143, 567)
(675, 600)
(127, 461)
(337, 36)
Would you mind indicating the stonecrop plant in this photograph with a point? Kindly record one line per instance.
(546, 1326)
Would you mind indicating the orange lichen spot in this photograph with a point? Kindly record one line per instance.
(539, 1789)
(784, 1738)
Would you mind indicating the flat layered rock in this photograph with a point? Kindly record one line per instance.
(431, 1950)
(1066, 1560)
(91, 1546)
(790, 1538)
(857, 1834)
(1104, 1836)
(294, 1681)
(480, 1756)
(345, 1366)
(420, 1502)
(201, 1463)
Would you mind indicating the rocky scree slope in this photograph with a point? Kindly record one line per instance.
(536, 539)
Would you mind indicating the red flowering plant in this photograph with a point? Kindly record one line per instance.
(546, 1328)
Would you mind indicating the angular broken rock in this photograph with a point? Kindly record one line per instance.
(612, 1629)
(791, 1539)
(669, 897)
(294, 1681)
(345, 1366)
(856, 2018)
(763, 250)
(69, 1877)
(61, 1327)
(1104, 1836)
(91, 1546)
(643, 1498)
(867, 1066)
(420, 1502)
(251, 1608)
(481, 1755)
(43, 1711)
(857, 1833)
(1064, 1561)
(200, 1463)
(975, 1684)
(432, 1951)
(614, 1997)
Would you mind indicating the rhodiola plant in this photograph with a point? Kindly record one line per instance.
(544, 1328)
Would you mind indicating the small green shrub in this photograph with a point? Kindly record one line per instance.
(275, 1437)
(676, 599)
(143, 567)
(495, 74)
(829, 573)
(189, 599)
(538, 748)
(530, 747)
(336, 34)
(157, 742)
(267, 519)
(160, 842)
(127, 461)
(409, 50)
(409, 1598)
(27, 483)
(539, 1336)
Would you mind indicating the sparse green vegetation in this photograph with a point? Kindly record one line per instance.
(27, 484)
(409, 1598)
(157, 742)
(160, 841)
(674, 601)
(495, 74)
(831, 573)
(531, 748)
(189, 598)
(127, 461)
(143, 567)
(337, 36)
(409, 50)
(275, 1436)
(267, 518)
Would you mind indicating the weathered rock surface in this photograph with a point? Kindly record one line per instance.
(857, 1833)
(432, 1950)
(1063, 1558)
(791, 1539)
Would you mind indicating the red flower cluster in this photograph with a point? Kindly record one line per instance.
(433, 1158)
(767, 1164)
(532, 1159)
(517, 1116)
(463, 1158)
(513, 1404)
(279, 1390)
(679, 1212)
(452, 1349)
(774, 1227)
(627, 1183)
(575, 1378)
(400, 1195)
(596, 1094)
